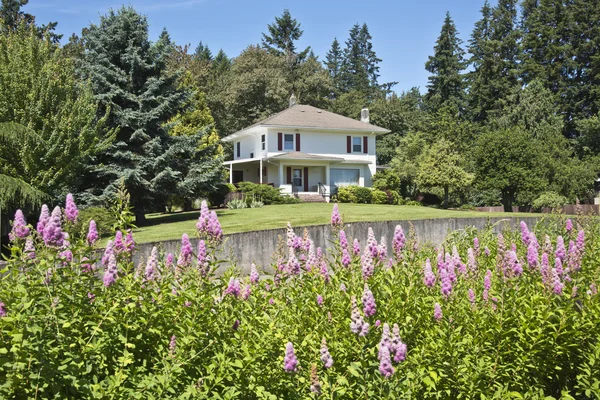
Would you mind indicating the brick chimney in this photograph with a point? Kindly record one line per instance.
(364, 115)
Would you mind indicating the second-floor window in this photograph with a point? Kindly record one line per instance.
(288, 142)
(356, 145)
(238, 149)
(262, 141)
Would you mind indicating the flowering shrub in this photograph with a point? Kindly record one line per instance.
(515, 315)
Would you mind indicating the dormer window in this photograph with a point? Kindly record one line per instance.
(356, 145)
(288, 142)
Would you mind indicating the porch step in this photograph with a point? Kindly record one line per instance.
(310, 197)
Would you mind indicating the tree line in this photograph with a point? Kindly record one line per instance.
(507, 118)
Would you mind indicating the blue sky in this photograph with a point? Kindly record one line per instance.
(404, 32)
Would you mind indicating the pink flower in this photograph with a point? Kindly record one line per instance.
(110, 273)
(345, 258)
(372, 245)
(129, 242)
(19, 228)
(246, 292)
(398, 347)
(53, 234)
(532, 255)
(319, 300)
(385, 365)
(342, 287)
(71, 211)
(92, 236)
(29, 249)
(580, 242)
(151, 265)
(233, 288)
(524, 233)
(290, 362)
(569, 225)
(437, 312)
(357, 324)
(476, 245)
(399, 242)
(172, 345)
(254, 277)
(203, 265)
(557, 285)
(336, 219)
(43, 220)
(185, 255)
(471, 261)
(368, 302)
(108, 251)
(3, 312)
(169, 260)
(560, 248)
(428, 275)
(367, 265)
(325, 356)
(343, 240)
(119, 244)
(356, 247)
(472, 297)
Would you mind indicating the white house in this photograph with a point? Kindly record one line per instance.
(305, 151)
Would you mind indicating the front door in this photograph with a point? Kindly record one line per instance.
(297, 178)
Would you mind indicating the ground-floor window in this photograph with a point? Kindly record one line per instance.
(344, 177)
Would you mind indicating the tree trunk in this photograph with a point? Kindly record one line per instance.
(140, 218)
(445, 197)
(187, 205)
(507, 200)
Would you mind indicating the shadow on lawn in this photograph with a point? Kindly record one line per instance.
(179, 216)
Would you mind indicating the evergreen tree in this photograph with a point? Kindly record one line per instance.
(494, 46)
(203, 53)
(221, 64)
(281, 37)
(129, 78)
(11, 17)
(333, 63)
(360, 65)
(446, 84)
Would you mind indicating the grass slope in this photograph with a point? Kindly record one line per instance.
(172, 226)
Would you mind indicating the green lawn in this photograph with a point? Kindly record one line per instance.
(172, 226)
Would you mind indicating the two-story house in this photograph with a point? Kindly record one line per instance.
(305, 150)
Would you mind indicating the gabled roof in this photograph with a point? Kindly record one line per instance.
(305, 116)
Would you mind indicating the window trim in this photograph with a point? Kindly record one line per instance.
(285, 142)
(263, 141)
(360, 144)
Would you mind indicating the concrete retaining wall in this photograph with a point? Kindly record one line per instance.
(259, 246)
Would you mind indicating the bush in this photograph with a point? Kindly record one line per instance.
(379, 197)
(549, 200)
(288, 200)
(72, 331)
(266, 193)
(345, 194)
(386, 179)
(468, 207)
(413, 203)
(216, 198)
(256, 204)
(363, 194)
(104, 219)
(236, 204)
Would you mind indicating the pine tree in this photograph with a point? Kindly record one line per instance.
(446, 84)
(129, 78)
(281, 37)
(11, 16)
(333, 63)
(203, 53)
(221, 64)
(494, 46)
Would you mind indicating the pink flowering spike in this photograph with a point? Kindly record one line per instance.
(185, 255)
(290, 362)
(110, 272)
(580, 242)
(368, 302)
(233, 288)
(108, 251)
(385, 365)
(254, 277)
(357, 321)
(569, 225)
(129, 242)
(319, 300)
(119, 243)
(169, 260)
(71, 211)
(19, 228)
(558, 266)
(532, 255)
(472, 297)
(151, 271)
(202, 259)
(29, 249)
(524, 233)
(437, 312)
(560, 248)
(398, 348)
(368, 268)
(445, 283)
(557, 285)
(3, 312)
(202, 224)
(476, 245)
(364, 331)
(399, 242)
(236, 324)
(172, 345)
(386, 340)
(66, 255)
(92, 235)
(342, 287)
(346, 258)
(343, 240)
(372, 244)
(53, 234)
(471, 260)
(428, 275)
(336, 219)
(293, 266)
(325, 355)
(355, 247)
(43, 220)
(246, 292)
(215, 229)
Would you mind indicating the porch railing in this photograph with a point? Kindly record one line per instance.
(322, 189)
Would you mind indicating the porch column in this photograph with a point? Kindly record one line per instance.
(260, 171)
(280, 174)
(231, 173)
(327, 175)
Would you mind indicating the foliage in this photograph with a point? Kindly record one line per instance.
(11, 17)
(406, 162)
(266, 193)
(140, 95)
(121, 209)
(345, 194)
(256, 204)
(549, 200)
(413, 203)
(441, 166)
(386, 179)
(236, 204)
(49, 130)
(379, 197)
(184, 331)
(105, 220)
(216, 198)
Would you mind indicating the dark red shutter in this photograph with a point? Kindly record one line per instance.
(348, 144)
(306, 179)
(297, 142)
(365, 144)
(289, 175)
(279, 141)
